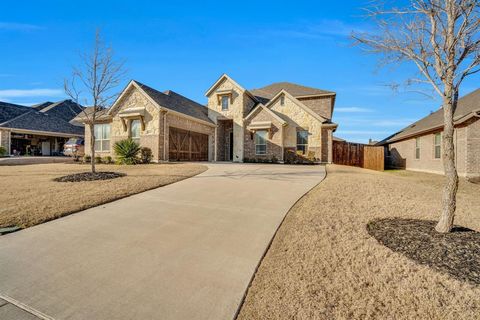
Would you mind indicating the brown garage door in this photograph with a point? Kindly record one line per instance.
(187, 145)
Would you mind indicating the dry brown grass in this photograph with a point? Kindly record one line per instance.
(29, 195)
(324, 265)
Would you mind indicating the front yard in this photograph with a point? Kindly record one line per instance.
(323, 264)
(29, 195)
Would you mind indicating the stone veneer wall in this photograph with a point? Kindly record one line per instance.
(321, 105)
(274, 139)
(153, 134)
(297, 118)
(5, 140)
(239, 107)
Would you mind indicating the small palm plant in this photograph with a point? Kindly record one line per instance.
(126, 151)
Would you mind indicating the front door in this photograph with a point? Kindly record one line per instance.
(230, 147)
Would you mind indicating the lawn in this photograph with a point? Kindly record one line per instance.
(29, 195)
(323, 264)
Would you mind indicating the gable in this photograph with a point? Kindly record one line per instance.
(293, 112)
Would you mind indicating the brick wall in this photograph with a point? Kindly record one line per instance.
(473, 149)
(321, 105)
(402, 154)
(274, 143)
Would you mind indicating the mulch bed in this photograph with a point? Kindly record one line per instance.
(89, 176)
(456, 253)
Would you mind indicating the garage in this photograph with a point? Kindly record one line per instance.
(187, 145)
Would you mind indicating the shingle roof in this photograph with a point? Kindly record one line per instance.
(295, 90)
(9, 111)
(27, 118)
(466, 106)
(66, 109)
(176, 102)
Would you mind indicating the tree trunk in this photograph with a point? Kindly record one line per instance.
(92, 147)
(449, 199)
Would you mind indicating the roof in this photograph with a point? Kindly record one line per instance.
(66, 109)
(176, 102)
(27, 118)
(42, 105)
(9, 111)
(295, 90)
(467, 106)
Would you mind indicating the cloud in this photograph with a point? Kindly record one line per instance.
(323, 29)
(12, 26)
(22, 93)
(352, 110)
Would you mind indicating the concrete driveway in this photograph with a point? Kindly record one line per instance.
(184, 251)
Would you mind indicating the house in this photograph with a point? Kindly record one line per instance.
(236, 123)
(40, 129)
(418, 147)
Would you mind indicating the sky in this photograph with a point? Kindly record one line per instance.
(185, 46)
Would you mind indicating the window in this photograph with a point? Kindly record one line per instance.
(102, 137)
(225, 102)
(417, 148)
(260, 142)
(437, 145)
(302, 141)
(282, 100)
(135, 130)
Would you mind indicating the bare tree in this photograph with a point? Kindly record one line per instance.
(442, 39)
(94, 82)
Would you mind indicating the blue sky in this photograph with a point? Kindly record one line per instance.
(185, 46)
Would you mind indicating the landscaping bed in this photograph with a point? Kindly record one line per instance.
(31, 196)
(324, 264)
(90, 176)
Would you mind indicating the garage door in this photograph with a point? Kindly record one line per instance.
(187, 145)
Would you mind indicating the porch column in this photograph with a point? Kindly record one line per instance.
(215, 144)
(330, 146)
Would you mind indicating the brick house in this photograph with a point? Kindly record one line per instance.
(38, 130)
(418, 147)
(236, 124)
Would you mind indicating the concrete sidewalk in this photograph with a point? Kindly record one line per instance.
(184, 251)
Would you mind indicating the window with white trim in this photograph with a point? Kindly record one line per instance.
(135, 130)
(260, 142)
(437, 145)
(302, 141)
(102, 136)
(417, 148)
(225, 102)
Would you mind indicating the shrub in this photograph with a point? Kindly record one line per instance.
(98, 159)
(3, 151)
(107, 160)
(274, 159)
(126, 151)
(87, 159)
(146, 155)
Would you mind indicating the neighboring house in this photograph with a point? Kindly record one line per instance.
(236, 124)
(419, 146)
(40, 129)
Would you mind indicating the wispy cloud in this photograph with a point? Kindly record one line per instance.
(13, 26)
(352, 110)
(323, 29)
(23, 93)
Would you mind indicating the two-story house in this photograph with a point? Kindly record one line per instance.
(237, 123)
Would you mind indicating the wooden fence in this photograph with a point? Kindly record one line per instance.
(358, 155)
